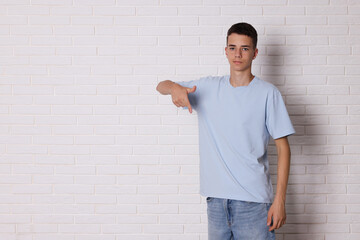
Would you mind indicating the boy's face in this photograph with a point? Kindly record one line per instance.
(240, 52)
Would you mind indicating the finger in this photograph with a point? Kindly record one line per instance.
(269, 218)
(188, 105)
(274, 225)
(176, 103)
(191, 90)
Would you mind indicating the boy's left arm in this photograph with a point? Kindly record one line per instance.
(277, 210)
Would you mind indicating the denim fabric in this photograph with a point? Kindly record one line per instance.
(237, 220)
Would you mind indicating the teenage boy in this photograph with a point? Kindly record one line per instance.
(237, 114)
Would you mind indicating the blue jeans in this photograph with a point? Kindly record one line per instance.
(237, 220)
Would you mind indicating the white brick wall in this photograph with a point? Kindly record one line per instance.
(90, 151)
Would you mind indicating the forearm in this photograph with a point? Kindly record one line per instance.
(284, 154)
(165, 87)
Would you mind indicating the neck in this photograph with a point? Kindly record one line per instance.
(238, 79)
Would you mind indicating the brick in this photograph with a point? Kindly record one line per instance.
(68, 149)
(113, 209)
(28, 10)
(70, 10)
(308, 40)
(76, 51)
(51, 41)
(326, 189)
(342, 218)
(325, 130)
(79, 228)
(180, 3)
(158, 189)
(111, 150)
(90, 60)
(352, 70)
(30, 30)
(323, 70)
(140, 120)
(157, 11)
(84, 20)
(346, 60)
(329, 50)
(135, 20)
(287, 10)
(32, 189)
(302, 198)
(113, 11)
(329, 208)
(114, 170)
(299, 179)
(343, 40)
(111, 130)
(95, 100)
(307, 150)
(324, 10)
(55, 2)
(158, 209)
(111, 70)
(312, 140)
(11, 199)
(316, 100)
(308, 2)
(95, 2)
(308, 80)
(122, 229)
(316, 228)
(136, 140)
(137, 237)
(347, 236)
(305, 60)
(99, 219)
(74, 30)
(16, 219)
(319, 110)
(163, 228)
(347, 19)
(72, 130)
(327, 30)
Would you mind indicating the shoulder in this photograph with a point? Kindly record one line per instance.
(212, 78)
(208, 82)
(267, 87)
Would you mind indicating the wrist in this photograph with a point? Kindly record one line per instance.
(280, 199)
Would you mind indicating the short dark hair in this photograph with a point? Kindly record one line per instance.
(243, 28)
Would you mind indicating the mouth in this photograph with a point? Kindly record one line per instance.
(237, 62)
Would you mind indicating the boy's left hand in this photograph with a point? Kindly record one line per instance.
(277, 214)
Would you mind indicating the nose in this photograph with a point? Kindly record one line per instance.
(238, 53)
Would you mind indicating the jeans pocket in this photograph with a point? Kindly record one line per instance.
(209, 199)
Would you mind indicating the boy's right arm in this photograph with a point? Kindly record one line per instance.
(179, 94)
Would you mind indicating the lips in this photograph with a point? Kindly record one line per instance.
(237, 62)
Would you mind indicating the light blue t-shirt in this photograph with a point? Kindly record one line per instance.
(235, 125)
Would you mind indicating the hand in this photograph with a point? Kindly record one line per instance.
(277, 214)
(179, 95)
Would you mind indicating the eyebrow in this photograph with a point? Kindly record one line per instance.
(232, 45)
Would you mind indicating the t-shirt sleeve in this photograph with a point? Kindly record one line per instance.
(278, 121)
(193, 97)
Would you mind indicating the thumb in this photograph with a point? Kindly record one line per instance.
(191, 90)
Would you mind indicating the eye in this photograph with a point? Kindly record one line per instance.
(245, 49)
(231, 48)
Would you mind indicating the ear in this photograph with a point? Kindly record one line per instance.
(255, 53)
(226, 51)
